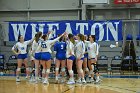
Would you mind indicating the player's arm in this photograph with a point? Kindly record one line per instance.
(13, 49)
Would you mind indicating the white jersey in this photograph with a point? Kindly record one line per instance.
(69, 49)
(93, 50)
(22, 47)
(80, 49)
(35, 45)
(45, 46)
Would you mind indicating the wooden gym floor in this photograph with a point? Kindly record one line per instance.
(108, 85)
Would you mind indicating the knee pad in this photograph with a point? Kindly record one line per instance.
(56, 69)
(43, 71)
(18, 69)
(70, 72)
(96, 68)
(63, 69)
(48, 71)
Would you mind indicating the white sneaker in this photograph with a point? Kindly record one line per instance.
(83, 81)
(91, 80)
(87, 80)
(79, 81)
(17, 79)
(27, 77)
(39, 78)
(45, 81)
(62, 80)
(98, 80)
(71, 81)
(42, 80)
(36, 81)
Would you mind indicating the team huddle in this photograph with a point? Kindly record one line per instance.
(67, 49)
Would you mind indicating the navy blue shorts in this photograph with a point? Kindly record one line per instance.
(82, 58)
(37, 56)
(45, 56)
(86, 55)
(61, 56)
(22, 56)
(72, 58)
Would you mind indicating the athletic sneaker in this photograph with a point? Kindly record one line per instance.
(36, 81)
(17, 79)
(83, 81)
(71, 81)
(87, 80)
(27, 77)
(62, 81)
(91, 80)
(45, 81)
(79, 81)
(98, 80)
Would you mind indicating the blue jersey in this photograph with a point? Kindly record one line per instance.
(60, 48)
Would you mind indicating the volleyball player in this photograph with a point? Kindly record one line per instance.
(70, 57)
(60, 48)
(93, 52)
(85, 61)
(21, 46)
(80, 50)
(37, 54)
(45, 46)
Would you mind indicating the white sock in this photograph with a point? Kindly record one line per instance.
(98, 77)
(56, 77)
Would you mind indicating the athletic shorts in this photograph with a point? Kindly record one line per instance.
(45, 56)
(72, 58)
(22, 56)
(86, 55)
(37, 56)
(61, 56)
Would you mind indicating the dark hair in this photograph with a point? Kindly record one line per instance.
(82, 38)
(19, 37)
(37, 36)
(44, 37)
(70, 36)
(60, 38)
(93, 37)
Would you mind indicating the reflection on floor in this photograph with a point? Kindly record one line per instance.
(109, 84)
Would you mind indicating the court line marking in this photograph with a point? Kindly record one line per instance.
(120, 88)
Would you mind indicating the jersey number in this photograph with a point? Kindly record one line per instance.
(62, 47)
(43, 46)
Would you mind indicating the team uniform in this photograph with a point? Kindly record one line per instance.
(36, 53)
(70, 49)
(93, 50)
(22, 50)
(45, 47)
(22, 47)
(80, 50)
(60, 48)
